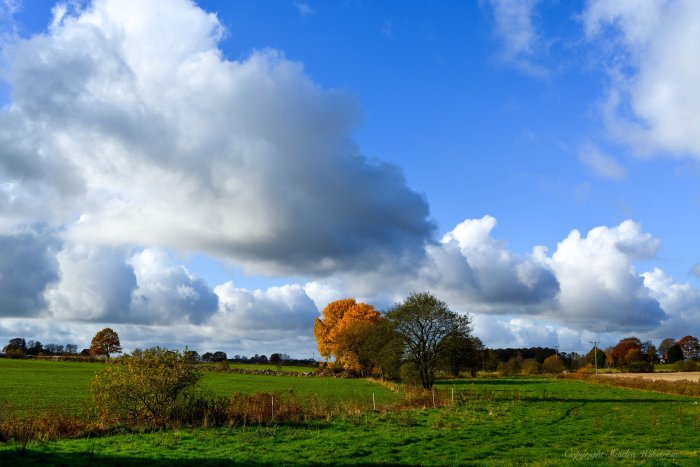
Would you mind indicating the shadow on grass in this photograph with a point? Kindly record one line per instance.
(91, 459)
(88, 459)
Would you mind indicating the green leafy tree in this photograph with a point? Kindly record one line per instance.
(425, 325)
(675, 354)
(665, 346)
(105, 342)
(594, 354)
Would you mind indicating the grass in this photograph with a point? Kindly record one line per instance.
(36, 385)
(505, 421)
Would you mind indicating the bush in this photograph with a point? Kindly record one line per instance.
(641, 367)
(143, 388)
(553, 364)
(510, 368)
(530, 367)
(685, 365)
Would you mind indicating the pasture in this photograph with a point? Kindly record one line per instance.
(35, 385)
(498, 421)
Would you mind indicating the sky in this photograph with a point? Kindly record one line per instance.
(212, 174)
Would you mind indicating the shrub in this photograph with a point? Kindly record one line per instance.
(510, 368)
(143, 388)
(530, 367)
(685, 365)
(553, 364)
(641, 367)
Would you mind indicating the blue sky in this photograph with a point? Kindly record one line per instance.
(212, 174)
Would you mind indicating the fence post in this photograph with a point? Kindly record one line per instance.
(374, 404)
(273, 407)
(433, 391)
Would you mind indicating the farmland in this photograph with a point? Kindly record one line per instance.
(541, 421)
(30, 385)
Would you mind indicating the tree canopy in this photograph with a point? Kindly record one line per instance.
(339, 332)
(105, 342)
(426, 326)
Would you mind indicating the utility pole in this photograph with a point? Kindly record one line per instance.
(556, 351)
(595, 354)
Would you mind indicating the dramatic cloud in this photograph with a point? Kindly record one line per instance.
(515, 29)
(285, 309)
(27, 267)
(652, 50)
(128, 118)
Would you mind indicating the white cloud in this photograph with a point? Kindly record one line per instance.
(600, 289)
(652, 50)
(516, 30)
(304, 8)
(680, 301)
(127, 117)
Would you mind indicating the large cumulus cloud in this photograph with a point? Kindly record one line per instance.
(653, 98)
(129, 118)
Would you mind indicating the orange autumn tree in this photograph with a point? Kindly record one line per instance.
(340, 319)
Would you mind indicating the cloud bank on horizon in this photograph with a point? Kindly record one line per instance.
(129, 141)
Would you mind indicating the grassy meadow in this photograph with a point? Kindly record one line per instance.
(35, 385)
(494, 421)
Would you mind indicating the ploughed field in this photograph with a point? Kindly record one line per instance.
(499, 421)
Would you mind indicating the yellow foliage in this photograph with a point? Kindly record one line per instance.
(338, 317)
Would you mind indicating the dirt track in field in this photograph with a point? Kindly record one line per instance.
(690, 376)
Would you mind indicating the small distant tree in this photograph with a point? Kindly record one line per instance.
(276, 359)
(207, 357)
(71, 349)
(596, 353)
(621, 350)
(36, 348)
(105, 342)
(15, 348)
(675, 354)
(218, 357)
(191, 355)
(665, 346)
(690, 347)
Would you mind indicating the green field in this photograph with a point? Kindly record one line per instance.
(31, 385)
(501, 421)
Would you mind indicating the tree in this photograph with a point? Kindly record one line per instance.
(16, 347)
(596, 353)
(690, 347)
(338, 317)
(621, 350)
(665, 346)
(675, 354)
(425, 325)
(105, 342)
(71, 349)
(36, 348)
(275, 359)
(218, 356)
(383, 348)
(461, 352)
